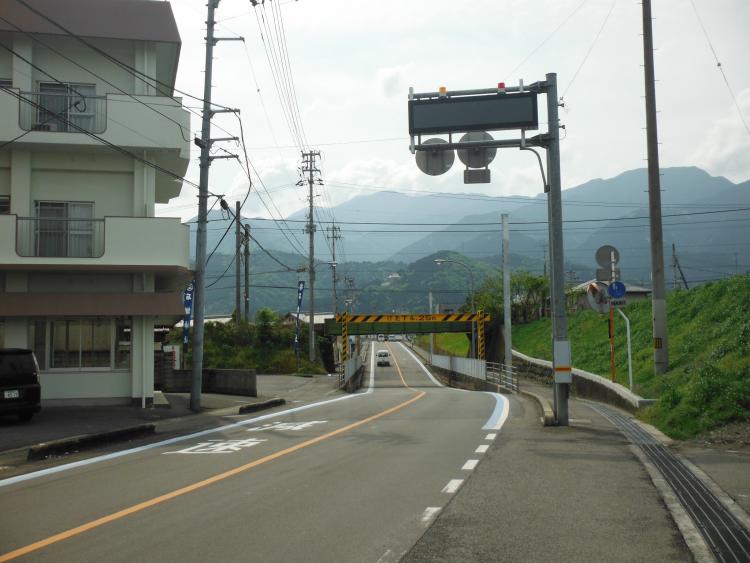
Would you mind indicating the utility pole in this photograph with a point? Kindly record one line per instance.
(247, 272)
(200, 245)
(237, 265)
(561, 345)
(309, 166)
(506, 293)
(334, 236)
(658, 295)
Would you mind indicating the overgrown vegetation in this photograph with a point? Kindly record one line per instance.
(708, 383)
(265, 346)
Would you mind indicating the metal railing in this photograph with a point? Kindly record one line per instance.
(53, 111)
(502, 375)
(59, 238)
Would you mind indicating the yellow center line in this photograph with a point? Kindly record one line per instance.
(195, 486)
(398, 369)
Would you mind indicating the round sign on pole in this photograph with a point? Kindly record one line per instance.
(596, 294)
(476, 157)
(435, 162)
(604, 255)
(616, 290)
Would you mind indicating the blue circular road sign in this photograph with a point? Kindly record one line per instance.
(616, 290)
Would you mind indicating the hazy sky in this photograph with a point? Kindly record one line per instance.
(354, 60)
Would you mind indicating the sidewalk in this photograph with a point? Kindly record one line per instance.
(170, 419)
(728, 466)
(575, 493)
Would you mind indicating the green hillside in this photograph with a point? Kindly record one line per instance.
(708, 383)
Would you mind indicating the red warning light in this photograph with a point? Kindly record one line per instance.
(501, 85)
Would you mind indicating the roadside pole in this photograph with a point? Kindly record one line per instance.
(506, 293)
(247, 272)
(432, 335)
(237, 264)
(561, 345)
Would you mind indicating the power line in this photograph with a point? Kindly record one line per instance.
(720, 67)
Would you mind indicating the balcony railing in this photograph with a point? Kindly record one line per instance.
(52, 111)
(60, 238)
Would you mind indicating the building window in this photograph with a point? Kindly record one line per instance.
(81, 343)
(6, 83)
(67, 107)
(4, 204)
(64, 228)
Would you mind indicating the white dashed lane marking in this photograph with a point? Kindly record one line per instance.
(481, 449)
(490, 436)
(470, 464)
(429, 515)
(452, 486)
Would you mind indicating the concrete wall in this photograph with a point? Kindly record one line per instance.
(226, 381)
(585, 384)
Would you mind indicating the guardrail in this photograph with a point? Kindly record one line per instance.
(502, 375)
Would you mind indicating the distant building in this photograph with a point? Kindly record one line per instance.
(394, 276)
(86, 269)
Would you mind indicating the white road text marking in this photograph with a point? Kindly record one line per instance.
(219, 447)
(293, 426)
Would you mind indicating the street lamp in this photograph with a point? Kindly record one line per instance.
(439, 261)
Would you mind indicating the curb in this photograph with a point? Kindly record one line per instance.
(86, 441)
(263, 405)
(548, 416)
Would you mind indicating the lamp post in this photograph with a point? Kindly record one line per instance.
(439, 261)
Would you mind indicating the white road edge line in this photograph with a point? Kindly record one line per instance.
(502, 406)
(470, 464)
(481, 449)
(122, 453)
(429, 514)
(452, 486)
(490, 436)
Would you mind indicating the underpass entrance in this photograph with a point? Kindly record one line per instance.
(346, 325)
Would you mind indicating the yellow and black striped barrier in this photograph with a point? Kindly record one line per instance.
(428, 318)
(480, 336)
(344, 337)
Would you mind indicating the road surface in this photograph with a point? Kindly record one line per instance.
(351, 478)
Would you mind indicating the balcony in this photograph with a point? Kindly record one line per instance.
(111, 243)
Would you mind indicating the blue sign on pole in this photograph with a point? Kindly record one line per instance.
(188, 303)
(616, 290)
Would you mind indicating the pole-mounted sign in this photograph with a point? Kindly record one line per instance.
(474, 113)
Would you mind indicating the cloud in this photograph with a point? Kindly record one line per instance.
(392, 81)
(726, 148)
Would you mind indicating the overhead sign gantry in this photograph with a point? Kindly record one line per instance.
(474, 113)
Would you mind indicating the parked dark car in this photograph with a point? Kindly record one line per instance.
(20, 391)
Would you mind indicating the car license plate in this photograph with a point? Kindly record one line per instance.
(12, 394)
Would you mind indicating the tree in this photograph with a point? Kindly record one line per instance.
(265, 321)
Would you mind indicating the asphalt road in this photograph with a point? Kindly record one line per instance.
(352, 478)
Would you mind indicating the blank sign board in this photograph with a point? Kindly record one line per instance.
(491, 112)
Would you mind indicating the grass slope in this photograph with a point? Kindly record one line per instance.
(708, 383)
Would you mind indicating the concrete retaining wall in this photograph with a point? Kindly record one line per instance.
(585, 384)
(226, 381)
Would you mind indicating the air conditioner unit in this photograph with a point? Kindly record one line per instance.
(44, 127)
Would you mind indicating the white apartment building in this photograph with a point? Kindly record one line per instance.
(86, 269)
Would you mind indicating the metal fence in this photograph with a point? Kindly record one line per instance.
(502, 375)
(464, 366)
(60, 238)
